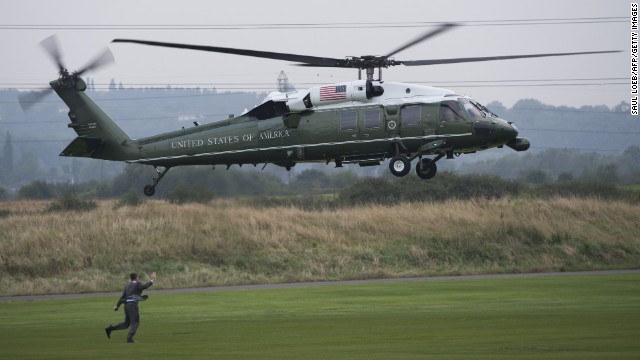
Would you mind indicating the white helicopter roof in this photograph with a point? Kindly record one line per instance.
(395, 93)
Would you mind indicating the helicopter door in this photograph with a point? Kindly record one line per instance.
(348, 134)
(411, 121)
(372, 126)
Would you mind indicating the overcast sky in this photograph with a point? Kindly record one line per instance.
(494, 27)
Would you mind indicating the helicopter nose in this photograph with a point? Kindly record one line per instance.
(506, 130)
(514, 128)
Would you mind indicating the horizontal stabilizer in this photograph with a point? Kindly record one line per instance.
(82, 147)
(268, 110)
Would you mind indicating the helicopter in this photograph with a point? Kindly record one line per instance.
(364, 122)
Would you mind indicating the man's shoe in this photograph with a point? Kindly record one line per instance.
(131, 341)
(108, 331)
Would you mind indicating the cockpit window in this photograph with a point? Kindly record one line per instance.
(450, 110)
(472, 110)
(484, 109)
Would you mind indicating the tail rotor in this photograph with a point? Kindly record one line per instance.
(66, 78)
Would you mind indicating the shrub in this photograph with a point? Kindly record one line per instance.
(36, 190)
(580, 189)
(71, 202)
(371, 191)
(130, 198)
(184, 193)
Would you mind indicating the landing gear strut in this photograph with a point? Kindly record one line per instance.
(149, 190)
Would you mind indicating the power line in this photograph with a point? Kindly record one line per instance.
(176, 117)
(583, 131)
(328, 25)
(577, 149)
(141, 85)
(263, 87)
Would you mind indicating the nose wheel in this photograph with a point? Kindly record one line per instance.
(150, 190)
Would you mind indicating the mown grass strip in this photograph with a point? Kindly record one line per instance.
(553, 318)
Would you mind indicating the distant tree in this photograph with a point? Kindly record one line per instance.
(27, 168)
(605, 173)
(112, 85)
(565, 177)
(535, 176)
(497, 107)
(36, 190)
(343, 179)
(311, 180)
(7, 154)
(631, 157)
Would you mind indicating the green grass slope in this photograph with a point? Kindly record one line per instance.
(225, 242)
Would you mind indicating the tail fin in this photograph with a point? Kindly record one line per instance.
(99, 137)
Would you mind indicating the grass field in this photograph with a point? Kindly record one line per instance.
(225, 242)
(574, 317)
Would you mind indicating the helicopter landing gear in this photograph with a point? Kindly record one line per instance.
(149, 190)
(426, 168)
(399, 165)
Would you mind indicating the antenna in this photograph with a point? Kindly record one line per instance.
(283, 82)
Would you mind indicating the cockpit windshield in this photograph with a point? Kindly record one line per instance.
(473, 111)
(463, 109)
(484, 109)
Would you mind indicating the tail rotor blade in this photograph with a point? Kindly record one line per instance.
(103, 59)
(50, 44)
(28, 99)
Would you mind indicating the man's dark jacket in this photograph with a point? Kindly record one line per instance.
(133, 291)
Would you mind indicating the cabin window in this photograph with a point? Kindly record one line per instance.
(348, 120)
(450, 111)
(372, 119)
(410, 115)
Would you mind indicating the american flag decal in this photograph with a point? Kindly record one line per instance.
(333, 92)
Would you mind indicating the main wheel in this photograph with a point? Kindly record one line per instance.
(149, 190)
(426, 169)
(399, 165)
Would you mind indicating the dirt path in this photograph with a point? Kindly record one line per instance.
(319, 283)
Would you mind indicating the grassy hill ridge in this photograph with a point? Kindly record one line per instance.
(225, 242)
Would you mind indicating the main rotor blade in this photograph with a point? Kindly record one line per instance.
(28, 99)
(104, 58)
(442, 28)
(310, 60)
(50, 44)
(492, 58)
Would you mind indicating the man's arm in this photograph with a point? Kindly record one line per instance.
(122, 299)
(150, 282)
